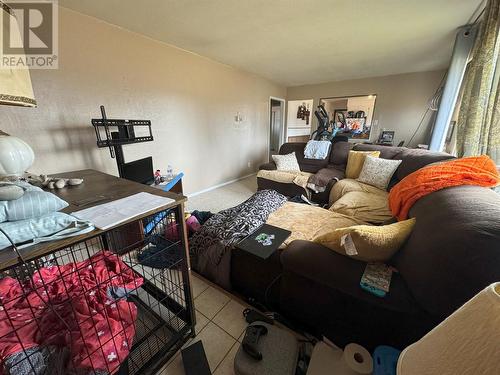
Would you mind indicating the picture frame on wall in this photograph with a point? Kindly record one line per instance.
(387, 137)
(355, 125)
(339, 116)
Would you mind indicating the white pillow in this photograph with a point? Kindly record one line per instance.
(378, 172)
(286, 162)
(317, 149)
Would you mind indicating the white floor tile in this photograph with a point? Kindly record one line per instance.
(210, 302)
(175, 366)
(231, 319)
(198, 285)
(227, 365)
(216, 343)
(201, 322)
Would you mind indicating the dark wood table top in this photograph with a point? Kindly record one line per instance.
(97, 188)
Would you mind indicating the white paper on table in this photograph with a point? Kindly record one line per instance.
(109, 214)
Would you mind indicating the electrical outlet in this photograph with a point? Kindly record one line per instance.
(249, 164)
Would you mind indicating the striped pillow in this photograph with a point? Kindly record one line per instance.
(34, 203)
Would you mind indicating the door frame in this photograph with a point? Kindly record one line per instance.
(283, 124)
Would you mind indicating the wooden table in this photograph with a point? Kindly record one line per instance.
(97, 188)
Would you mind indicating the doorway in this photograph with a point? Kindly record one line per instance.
(276, 125)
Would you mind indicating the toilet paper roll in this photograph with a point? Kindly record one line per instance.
(326, 360)
(357, 359)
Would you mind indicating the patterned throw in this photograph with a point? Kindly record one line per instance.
(211, 246)
(477, 170)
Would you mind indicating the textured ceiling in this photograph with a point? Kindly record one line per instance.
(296, 42)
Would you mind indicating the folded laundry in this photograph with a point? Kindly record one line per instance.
(72, 306)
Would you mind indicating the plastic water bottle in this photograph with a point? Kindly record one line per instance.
(170, 172)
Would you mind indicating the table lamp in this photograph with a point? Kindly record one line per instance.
(467, 342)
(16, 156)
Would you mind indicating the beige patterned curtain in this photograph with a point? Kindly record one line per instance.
(478, 122)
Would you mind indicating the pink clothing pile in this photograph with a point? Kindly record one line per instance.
(87, 296)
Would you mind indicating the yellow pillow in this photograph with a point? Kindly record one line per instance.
(355, 162)
(369, 243)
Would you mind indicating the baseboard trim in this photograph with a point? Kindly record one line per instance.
(219, 185)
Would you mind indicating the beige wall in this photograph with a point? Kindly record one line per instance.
(401, 100)
(190, 100)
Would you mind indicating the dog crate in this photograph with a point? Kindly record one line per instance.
(115, 302)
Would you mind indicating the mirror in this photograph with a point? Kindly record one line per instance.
(350, 116)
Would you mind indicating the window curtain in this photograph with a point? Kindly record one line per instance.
(478, 125)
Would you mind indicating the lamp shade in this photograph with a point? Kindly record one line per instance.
(16, 156)
(15, 83)
(467, 342)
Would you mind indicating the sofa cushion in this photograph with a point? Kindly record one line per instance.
(454, 249)
(271, 166)
(286, 162)
(355, 162)
(369, 243)
(386, 152)
(325, 267)
(414, 159)
(312, 165)
(340, 152)
(378, 172)
(368, 207)
(347, 185)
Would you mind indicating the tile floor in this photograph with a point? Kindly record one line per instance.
(219, 324)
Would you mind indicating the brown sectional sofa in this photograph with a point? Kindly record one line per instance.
(412, 159)
(452, 253)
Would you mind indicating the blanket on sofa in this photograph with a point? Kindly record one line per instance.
(476, 170)
(298, 178)
(317, 182)
(210, 247)
(305, 222)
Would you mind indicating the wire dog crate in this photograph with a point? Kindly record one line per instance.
(118, 302)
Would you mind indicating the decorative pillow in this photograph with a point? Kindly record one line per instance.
(355, 162)
(317, 149)
(367, 207)
(10, 192)
(369, 243)
(286, 162)
(378, 172)
(34, 203)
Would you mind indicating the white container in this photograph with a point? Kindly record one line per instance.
(16, 156)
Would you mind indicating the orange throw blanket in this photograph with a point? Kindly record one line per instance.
(476, 170)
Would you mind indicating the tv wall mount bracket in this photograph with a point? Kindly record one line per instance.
(114, 133)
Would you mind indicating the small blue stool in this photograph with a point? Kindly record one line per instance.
(385, 360)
